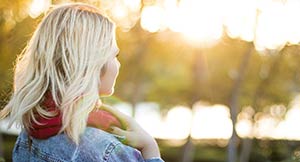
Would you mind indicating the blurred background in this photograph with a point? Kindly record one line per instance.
(211, 80)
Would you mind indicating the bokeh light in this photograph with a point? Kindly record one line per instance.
(37, 7)
(269, 24)
(177, 124)
(211, 122)
(152, 18)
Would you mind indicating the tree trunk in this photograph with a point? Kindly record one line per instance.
(233, 104)
(247, 143)
(246, 149)
(188, 151)
(199, 71)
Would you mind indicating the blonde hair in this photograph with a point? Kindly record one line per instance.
(64, 56)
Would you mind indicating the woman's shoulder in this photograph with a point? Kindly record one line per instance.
(97, 136)
(95, 145)
(112, 148)
(96, 139)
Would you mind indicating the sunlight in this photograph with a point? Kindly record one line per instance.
(37, 7)
(152, 18)
(200, 21)
(211, 122)
(107, 5)
(289, 128)
(119, 11)
(244, 128)
(241, 25)
(265, 125)
(244, 125)
(125, 13)
(278, 110)
(148, 116)
(177, 123)
(269, 24)
(273, 124)
(270, 31)
(292, 13)
(173, 16)
(133, 5)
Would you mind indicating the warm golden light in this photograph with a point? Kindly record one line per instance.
(10, 22)
(265, 125)
(211, 122)
(152, 18)
(119, 11)
(200, 21)
(177, 124)
(270, 29)
(244, 128)
(133, 5)
(292, 26)
(289, 128)
(37, 7)
(239, 19)
(174, 18)
(269, 24)
(244, 125)
(125, 13)
(149, 117)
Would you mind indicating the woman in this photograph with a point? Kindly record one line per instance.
(71, 60)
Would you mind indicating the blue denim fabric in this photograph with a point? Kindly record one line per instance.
(95, 145)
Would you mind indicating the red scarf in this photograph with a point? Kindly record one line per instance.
(50, 126)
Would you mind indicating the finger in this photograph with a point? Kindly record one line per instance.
(118, 131)
(119, 134)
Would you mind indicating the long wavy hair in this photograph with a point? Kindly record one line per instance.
(65, 56)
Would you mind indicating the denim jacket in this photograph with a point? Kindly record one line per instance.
(95, 145)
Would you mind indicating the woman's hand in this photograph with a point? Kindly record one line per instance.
(135, 135)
